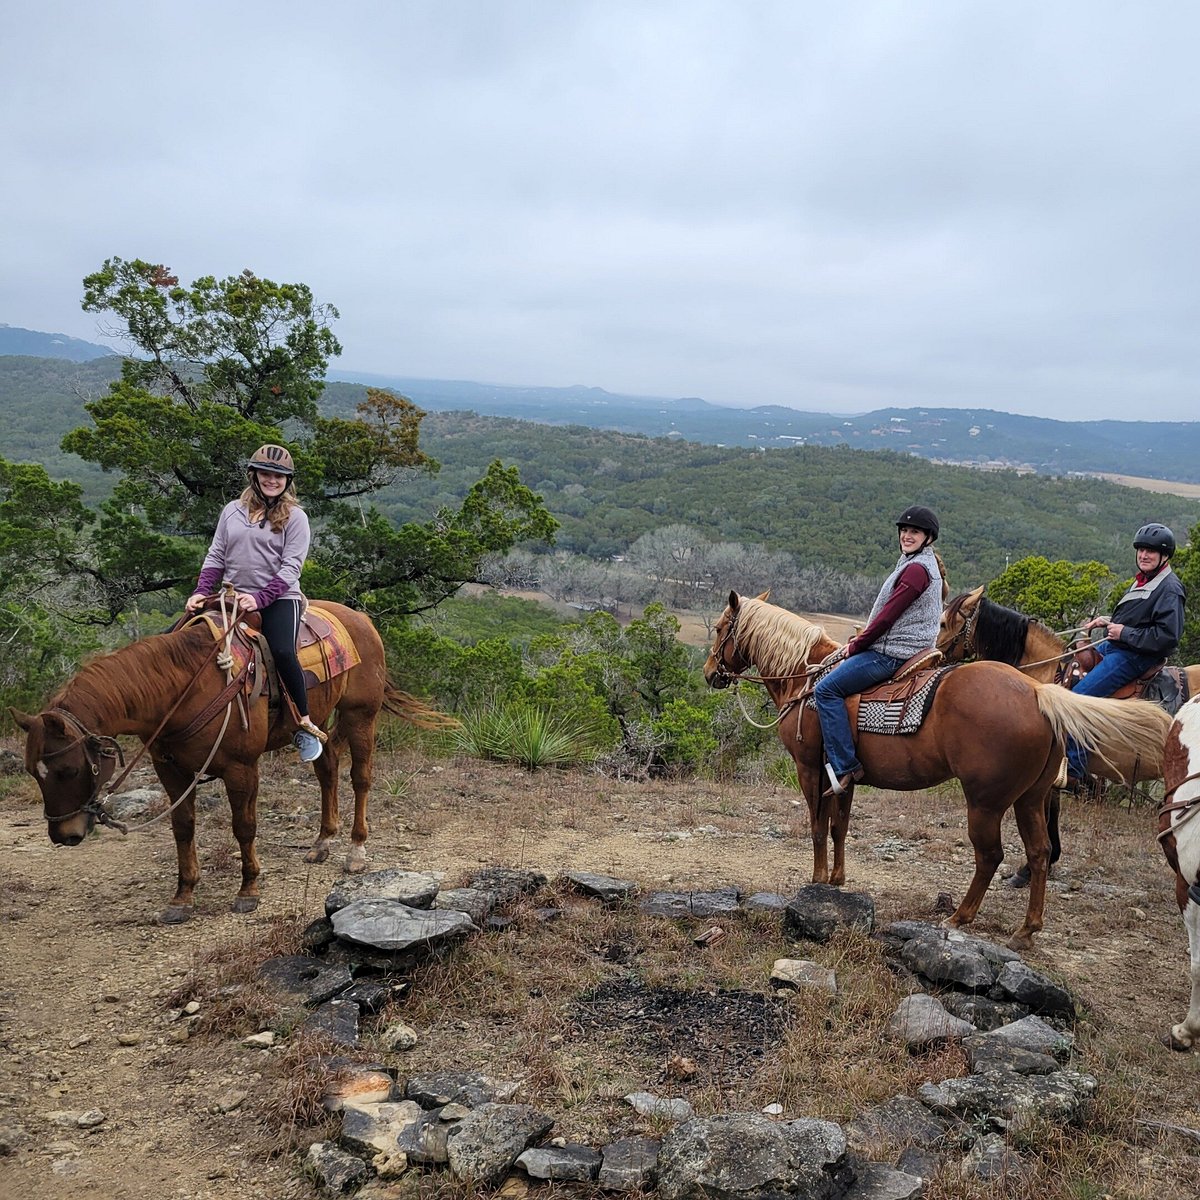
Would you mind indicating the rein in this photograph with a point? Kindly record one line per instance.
(736, 677)
(966, 637)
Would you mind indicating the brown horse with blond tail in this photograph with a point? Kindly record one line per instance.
(168, 691)
(1000, 735)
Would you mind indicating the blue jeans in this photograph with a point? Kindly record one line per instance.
(855, 674)
(1117, 667)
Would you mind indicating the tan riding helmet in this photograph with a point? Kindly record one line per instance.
(272, 458)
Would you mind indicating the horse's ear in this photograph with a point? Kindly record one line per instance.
(24, 720)
(765, 595)
(734, 601)
(974, 597)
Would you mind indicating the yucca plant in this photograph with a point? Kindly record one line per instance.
(528, 734)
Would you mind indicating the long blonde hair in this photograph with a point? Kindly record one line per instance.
(279, 513)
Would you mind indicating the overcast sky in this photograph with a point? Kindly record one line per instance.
(831, 205)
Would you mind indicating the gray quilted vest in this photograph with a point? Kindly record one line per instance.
(917, 627)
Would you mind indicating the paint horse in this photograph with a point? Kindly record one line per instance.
(988, 726)
(168, 691)
(1179, 835)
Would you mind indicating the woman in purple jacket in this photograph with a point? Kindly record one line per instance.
(260, 545)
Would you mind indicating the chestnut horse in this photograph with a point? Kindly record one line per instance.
(973, 626)
(1179, 833)
(989, 727)
(71, 752)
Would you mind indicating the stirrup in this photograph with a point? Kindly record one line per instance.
(306, 725)
(307, 745)
(840, 786)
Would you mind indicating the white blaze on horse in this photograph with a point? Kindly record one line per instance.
(1179, 833)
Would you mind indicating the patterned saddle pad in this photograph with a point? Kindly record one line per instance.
(899, 707)
(325, 648)
(896, 705)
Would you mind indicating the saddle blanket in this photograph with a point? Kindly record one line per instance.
(326, 649)
(894, 707)
(881, 710)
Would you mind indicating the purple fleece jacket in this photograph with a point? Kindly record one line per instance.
(254, 558)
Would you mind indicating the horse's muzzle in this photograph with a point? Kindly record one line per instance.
(71, 831)
(715, 677)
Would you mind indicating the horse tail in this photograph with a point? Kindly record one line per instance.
(1107, 727)
(416, 712)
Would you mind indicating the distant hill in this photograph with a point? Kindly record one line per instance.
(975, 437)
(831, 507)
(1168, 450)
(14, 340)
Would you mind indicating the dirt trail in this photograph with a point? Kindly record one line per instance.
(85, 967)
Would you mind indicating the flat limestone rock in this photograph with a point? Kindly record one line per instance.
(389, 925)
(412, 888)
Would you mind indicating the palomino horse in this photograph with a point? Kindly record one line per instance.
(70, 746)
(975, 627)
(1179, 833)
(989, 727)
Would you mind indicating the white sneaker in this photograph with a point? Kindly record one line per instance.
(307, 744)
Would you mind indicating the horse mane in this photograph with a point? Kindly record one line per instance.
(1000, 632)
(775, 640)
(150, 668)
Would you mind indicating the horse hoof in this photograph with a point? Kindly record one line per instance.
(1171, 1042)
(176, 914)
(1019, 879)
(245, 904)
(318, 854)
(356, 864)
(1020, 941)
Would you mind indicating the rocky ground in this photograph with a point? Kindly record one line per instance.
(101, 1094)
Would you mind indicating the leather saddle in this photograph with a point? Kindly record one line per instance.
(904, 696)
(1164, 685)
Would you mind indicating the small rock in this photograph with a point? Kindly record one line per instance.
(646, 1104)
(399, 1037)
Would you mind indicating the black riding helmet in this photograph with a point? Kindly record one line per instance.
(920, 517)
(1155, 537)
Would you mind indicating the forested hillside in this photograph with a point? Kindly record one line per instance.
(830, 508)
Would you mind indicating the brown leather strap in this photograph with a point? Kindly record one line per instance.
(215, 705)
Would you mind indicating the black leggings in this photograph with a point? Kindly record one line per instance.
(280, 626)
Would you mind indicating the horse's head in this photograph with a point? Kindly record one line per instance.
(957, 625)
(726, 661)
(70, 765)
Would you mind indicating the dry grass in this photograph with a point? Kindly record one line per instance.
(584, 1008)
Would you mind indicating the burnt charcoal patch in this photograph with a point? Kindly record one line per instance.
(726, 1034)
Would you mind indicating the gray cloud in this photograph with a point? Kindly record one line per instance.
(823, 205)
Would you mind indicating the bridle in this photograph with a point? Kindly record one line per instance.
(730, 635)
(101, 753)
(1188, 808)
(964, 636)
